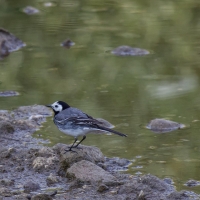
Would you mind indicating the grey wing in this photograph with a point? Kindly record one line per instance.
(70, 115)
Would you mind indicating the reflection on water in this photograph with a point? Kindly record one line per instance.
(165, 84)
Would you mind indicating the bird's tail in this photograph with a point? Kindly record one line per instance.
(112, 131)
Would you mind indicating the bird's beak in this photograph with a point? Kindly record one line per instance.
(48, 105)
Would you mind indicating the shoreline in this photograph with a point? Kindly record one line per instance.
(30, 170)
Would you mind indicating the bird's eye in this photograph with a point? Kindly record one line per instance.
(56, 106)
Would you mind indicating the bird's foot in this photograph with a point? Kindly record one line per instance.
(70, 149)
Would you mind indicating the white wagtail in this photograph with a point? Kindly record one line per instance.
(74, 122)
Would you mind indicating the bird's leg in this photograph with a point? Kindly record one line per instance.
(80, 141)
(72, 146)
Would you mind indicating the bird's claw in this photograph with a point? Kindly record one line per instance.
(70, 149)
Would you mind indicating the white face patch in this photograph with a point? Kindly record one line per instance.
(57, 107)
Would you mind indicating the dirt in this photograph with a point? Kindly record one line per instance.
(30, 170)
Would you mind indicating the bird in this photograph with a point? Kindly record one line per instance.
(74, 122)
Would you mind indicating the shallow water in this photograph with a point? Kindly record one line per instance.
(127, 91)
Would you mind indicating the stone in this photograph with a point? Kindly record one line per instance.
(9, 42)
(42, 163)
(129, 51)
(51, 179)
(42, 197)
(89, 153)
(163, 125)
(6, 182)
(102, 188)
(29, 10)
(87, 171)
(31, 186)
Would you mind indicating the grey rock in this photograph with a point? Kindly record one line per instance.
(31, 186)
(88, 172)
(192, 183)
(8, 93)
(88, 153)
(6, 182)
(42, 197)
(45, 152)
(5, 192)
(163, 125)
(129, 51)
(116, 164)
(51, 179)
(29, 10)
(67, 43)
(9, 42)
(6, 127)
(102, 188)
(42, 163)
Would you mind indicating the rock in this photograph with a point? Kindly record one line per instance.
(147, 183)
(41, 163)
(3, 50)
(116, 164)
(31, 186)
(102, 188)
(45, 152)
(168, 181)
(89, 153)
(42, 197)
(29, 10)
(8, 93)
(163, 125)
(30, 111)
(9, 42)
(5, 192)
(129, 51)
(6, 127)
(5, 153)
(51, 179)
(88, 172)
(67, 43)
(182, 195)
(192, 183)
(6, 182)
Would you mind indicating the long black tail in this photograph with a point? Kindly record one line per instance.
(112, 131)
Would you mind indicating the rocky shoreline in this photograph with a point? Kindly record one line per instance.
(29, 170)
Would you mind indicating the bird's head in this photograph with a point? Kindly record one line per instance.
(58, 106)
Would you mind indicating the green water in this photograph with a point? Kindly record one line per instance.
(127, 91)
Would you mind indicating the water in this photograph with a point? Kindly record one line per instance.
(127, 91)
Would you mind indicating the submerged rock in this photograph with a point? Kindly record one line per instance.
(29, 10)
(9, 43)
(67, 43)
(129, 51)
(192, 183)
(163, 125)
(8, 93)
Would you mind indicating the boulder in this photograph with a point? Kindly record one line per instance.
(89, 153)
(87, 171)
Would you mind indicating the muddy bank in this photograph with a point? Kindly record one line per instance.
(29, 170)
